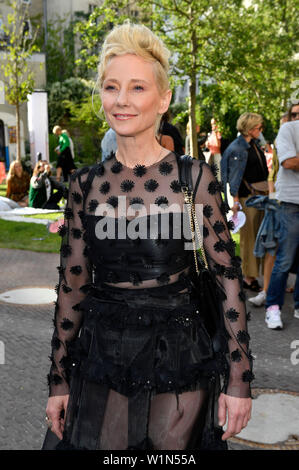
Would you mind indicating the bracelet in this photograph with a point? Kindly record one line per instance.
(238, 204)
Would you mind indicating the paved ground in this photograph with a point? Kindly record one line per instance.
(25, 332)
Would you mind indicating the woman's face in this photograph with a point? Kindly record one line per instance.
(130, 96)
(255, 131)
(18, 169)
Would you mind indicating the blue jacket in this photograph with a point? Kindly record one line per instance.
(233, 164)
(269, 231)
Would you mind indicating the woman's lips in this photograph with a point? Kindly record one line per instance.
(123, 117)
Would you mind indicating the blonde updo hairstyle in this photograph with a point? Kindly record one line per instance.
(136, 39)
(248, 121)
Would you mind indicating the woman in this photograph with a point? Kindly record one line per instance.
(65, 164)
(242, 166)
(42, 185)
(17, 184)
(142, 367)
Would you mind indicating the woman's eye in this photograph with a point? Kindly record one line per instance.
(109, 87)
(138, 88)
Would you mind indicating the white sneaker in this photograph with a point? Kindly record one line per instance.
(273, 319)
(259, 299)
(296, 313)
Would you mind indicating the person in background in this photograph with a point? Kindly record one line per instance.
(65, 164)
(18, 181)
(108, 144)
(243, 164)
(169, 136)
(72, 148)
(213, 143)
(42, 185)
(294, 112)
(287, 192)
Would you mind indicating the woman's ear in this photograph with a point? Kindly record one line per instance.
(165, 101)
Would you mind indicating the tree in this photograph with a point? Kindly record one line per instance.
(246, 53)
(18, 78)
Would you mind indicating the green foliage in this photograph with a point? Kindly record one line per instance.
(59, 93)
(60, 50)
(18, 78)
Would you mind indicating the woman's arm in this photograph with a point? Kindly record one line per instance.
(74, 276)
(220, 251)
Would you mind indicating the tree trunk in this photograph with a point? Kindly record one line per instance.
(192, 118)
(192, 93)
(18, 134)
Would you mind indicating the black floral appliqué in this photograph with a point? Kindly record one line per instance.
(236, 356)
(116, 167)
(165, 168)
(105, 187)
(230, 225)
(208, 211)
(65, 250)
(232, 273)
(139, 170)
(205, 231)
(112, 201)
(77, 197)
(247, 376)
(161, 200)
(163, 279)
(127, 185)
(66, 324)
(100, 169)
(219, 246)
(68, 213)
(136, 200)
(232, 314)
(62, 230)
(93, 204)
(66, 289)
(243, 337)
(175, 186)
(77, 233)
(135, 279)
(76, 270)
(219, 226)
(151, 185)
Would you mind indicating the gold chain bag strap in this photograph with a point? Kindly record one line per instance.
(207, 291)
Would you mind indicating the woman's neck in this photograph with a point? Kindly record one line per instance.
(135, 150)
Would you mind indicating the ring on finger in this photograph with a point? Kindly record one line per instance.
(49, 422)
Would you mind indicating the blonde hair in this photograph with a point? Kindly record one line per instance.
(248, 121)
(12, 172)
(55, 129)
(138, 40)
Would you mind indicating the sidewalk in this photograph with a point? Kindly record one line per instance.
(26, 331)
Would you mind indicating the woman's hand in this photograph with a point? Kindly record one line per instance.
(236, 207)
(238, 411)
(56, 408)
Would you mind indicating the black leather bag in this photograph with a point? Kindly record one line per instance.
(207, 290)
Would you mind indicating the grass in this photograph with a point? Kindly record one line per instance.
(3, 190)
(24, 236)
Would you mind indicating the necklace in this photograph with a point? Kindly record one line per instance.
(138, 163)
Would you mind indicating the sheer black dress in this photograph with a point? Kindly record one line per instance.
(129, 344)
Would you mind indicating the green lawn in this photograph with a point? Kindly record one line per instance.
(25, 236)
(3, 190)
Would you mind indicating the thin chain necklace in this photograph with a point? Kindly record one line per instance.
(159, 157)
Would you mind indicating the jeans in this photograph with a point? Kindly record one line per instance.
(287, 248)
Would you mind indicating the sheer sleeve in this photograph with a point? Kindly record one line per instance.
(74, 277)
(220, 251)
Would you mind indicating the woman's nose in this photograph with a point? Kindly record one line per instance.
(122, 97)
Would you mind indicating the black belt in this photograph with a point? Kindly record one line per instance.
(166, 296)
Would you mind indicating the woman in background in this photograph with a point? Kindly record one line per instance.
(18, 181)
